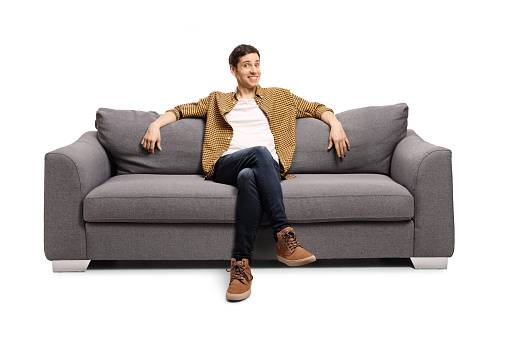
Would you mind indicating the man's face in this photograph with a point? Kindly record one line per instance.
(248, 71)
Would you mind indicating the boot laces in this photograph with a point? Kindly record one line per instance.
(291, 240)
(239, 273)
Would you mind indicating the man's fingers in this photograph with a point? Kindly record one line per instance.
(330, 143)
(341, 148)
(151, 147)
(338, 148)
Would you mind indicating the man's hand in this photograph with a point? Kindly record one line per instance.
(152, 139)
(337, 137)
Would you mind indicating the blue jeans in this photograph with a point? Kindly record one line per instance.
(256, 175)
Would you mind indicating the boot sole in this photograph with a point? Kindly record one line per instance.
(298, 262)
(237, 297)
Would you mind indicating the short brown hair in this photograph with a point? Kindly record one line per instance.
(239, 52)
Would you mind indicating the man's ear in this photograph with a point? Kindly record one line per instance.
(233, 70)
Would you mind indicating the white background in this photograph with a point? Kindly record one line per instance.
(61, 60)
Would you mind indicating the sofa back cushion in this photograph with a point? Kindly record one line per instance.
(373, 133)
(121, 131)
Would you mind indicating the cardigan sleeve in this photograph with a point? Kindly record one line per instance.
(193, 110)
(307, 109)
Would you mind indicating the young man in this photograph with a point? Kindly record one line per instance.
(249, 143)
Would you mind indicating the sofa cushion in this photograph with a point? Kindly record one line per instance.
(146, 198)
(121, 131)
(373, 133)
(346, 197)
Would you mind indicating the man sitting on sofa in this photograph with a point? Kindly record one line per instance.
(249, 143)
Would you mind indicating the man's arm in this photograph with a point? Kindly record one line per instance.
(337, 136)
(152, 137)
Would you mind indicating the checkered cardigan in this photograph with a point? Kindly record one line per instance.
(281, 107)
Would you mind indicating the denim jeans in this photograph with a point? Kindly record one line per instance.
(256, 175)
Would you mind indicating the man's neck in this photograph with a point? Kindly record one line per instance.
(245, 93)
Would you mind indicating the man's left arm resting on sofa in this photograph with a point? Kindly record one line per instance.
(337, 136)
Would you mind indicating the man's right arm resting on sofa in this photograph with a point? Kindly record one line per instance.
(152, 137)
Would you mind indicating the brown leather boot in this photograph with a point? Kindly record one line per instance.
(290, 251)
(240, 280)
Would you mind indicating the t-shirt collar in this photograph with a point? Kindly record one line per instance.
(259, 92)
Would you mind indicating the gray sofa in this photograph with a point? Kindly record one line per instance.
(108, 199)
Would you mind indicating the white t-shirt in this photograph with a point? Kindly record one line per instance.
(250, 128)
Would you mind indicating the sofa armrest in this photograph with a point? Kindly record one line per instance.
(426, 171)
(70, 173)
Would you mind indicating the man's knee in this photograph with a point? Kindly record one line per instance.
(261, 152)
(245, 177)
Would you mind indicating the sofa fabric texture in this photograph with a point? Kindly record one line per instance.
(189, 199)
(426, 171)
(181, 143)
(105, 198)
(70, 173)
(348, 239)
(373, 132)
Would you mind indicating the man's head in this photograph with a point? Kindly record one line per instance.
(239, 52)
(245, 66)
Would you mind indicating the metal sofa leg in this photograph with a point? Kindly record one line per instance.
(435, 262)
(70, 265)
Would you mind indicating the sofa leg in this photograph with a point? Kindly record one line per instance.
(435, 262)
(70, 265)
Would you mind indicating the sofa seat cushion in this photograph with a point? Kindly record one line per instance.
(156, 198)
(346, 197)
(160, 198)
